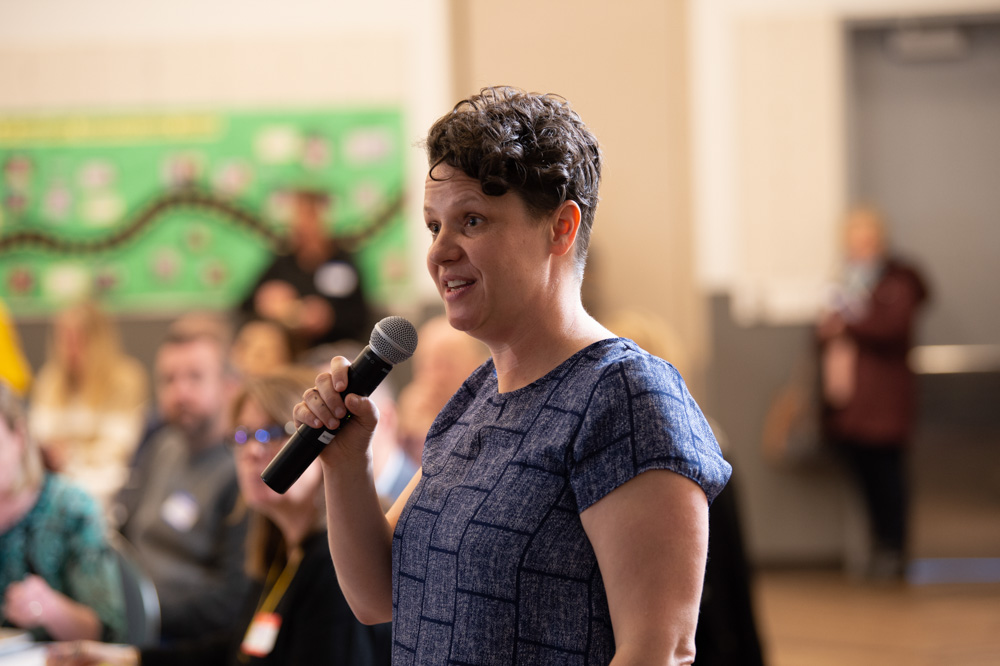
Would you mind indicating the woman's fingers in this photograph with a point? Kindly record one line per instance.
(363, 411)
(326, 390)
(323, 405)
(338, 373)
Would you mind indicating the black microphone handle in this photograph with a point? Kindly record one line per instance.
(363, 377)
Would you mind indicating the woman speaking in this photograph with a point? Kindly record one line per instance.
(561, 511)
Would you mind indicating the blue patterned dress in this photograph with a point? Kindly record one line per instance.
(62, 540)
(491, 564)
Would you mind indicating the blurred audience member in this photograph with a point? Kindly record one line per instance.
(315, 290)
(87, 404)
(727, 630)
(177, 507)
(392, 468)
(58, 576)
(868, 388)
(261, 347)
(14, 367)
(444, 359)
(295, 612)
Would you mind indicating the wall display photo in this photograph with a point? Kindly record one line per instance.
(163, 212)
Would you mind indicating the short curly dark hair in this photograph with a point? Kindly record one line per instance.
(531, 144)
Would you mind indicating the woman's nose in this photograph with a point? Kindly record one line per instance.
(255, 449)
(444, 248)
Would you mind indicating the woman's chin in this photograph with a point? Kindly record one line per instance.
(260, 497)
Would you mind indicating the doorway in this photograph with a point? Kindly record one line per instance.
(924, 118)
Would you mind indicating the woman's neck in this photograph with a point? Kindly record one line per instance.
(537, 349)
(313, 254)
(295, 526)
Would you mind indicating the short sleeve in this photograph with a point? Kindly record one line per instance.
(641, 417)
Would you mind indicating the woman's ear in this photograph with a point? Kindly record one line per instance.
(565, 225)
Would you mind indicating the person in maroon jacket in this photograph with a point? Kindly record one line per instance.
(869, 390)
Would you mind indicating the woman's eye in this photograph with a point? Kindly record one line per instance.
(433, 227)
(473, 221)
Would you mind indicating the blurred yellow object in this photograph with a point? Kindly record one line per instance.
(14, 369)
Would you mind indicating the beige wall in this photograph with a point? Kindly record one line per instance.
(623, 66)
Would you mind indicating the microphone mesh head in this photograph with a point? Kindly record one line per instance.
(394, 339)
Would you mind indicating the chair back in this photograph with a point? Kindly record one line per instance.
(142, 605)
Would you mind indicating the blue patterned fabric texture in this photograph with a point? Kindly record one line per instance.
(62, 539)
(491, 564)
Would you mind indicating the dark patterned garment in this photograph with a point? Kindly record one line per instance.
(491, 564)
(62, 540)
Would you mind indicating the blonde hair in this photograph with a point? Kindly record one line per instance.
(13, 414)
(276, 394)
(101, 352)
(865, 215)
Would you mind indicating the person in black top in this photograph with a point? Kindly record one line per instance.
(295, 613)
(315, 289)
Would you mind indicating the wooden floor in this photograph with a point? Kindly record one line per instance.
(821, 618)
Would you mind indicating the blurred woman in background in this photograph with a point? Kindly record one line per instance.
(296, 613)
(442, 361)
(59, 578)
(261, 347)
(869, 390)
(87, 402)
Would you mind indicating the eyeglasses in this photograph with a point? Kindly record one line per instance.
(270, 435)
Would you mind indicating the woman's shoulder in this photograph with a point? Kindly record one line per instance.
(63, 497)
(901, 274)
(64, 508)
(621, 357)
(640, 416)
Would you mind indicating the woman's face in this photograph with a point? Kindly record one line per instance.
(253, 455)
(260, 348)
(488, 257)
(864, 238)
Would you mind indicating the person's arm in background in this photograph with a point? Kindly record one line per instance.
(650, 536)
(31, 603)
(80, 595)
(94, 577)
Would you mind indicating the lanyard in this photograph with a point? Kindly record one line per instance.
(263, 630)
(278, 588)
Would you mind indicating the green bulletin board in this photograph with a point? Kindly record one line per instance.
(158, 213)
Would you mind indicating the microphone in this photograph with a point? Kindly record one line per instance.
(392, 341)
